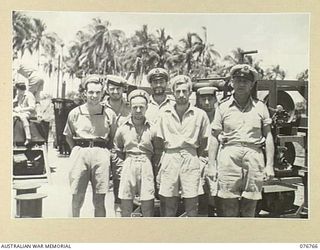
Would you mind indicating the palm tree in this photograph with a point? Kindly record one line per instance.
(275, 73)
(76, 49)
(141, 54)
(98, 51)
(235, 57)
(22, 33)
(50, 43)
(163, 52)
(303, 76)
(187, 51)
(38, 32)
(206, 55)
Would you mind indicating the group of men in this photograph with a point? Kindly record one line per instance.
(166, 148)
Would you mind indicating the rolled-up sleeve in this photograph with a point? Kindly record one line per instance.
(217, 120)
(266, 120)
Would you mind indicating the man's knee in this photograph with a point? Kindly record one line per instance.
(126, 208)
(229, 207)
(248, 207)
(191, 206)
(169, 205)
(147, 208)
(78, 199)
(98, 200)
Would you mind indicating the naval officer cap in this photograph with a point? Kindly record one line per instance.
(138, 92)
(157, 73)
(244, 71)
(207, 91)
(116, 80)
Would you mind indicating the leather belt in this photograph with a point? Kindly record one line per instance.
(90, 143)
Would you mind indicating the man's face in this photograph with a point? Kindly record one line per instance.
(93, 93)
(206, 102)
(182, 94)
(115, 92)
(159, 86)
(242, 85)
(138, 107)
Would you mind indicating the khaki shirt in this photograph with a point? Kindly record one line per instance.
(124, 112)
(241, 126)
(152, 112)
(81, 124)
(188, 133)
(129, 141)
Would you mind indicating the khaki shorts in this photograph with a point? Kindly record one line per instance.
(240, 172)
(89, 164)
(179, 170)
(137, 178)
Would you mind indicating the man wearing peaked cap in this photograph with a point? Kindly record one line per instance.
(89, 132)
(159, 100)
(207, 101)
(184, 131)
(158, 79)
(135, 144)
(241, 128)
(157, 73)
(115, 87)
(244, 71)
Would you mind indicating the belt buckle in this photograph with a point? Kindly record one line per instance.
(91, 144)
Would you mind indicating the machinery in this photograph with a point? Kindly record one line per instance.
(288, 128)
(30, 161)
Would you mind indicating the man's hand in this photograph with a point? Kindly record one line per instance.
(268, 173)
(211, 171)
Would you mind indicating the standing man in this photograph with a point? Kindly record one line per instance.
(115, 100)
(184, 130)
(159, 101)
(207, 101)
(89, 132)
(242, 127)
(135, 142)
(158, 79)
(24, 108)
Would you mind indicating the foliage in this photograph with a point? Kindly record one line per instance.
(98, 48)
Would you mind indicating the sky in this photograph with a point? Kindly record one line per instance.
(280, 38)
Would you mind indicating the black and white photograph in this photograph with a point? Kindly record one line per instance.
(141, 114)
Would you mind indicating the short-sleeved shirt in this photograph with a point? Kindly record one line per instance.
(241, 125)
(123, 113)
(27, 100)
(152, 112)
(187, 133)
(128, 140)
(87, 126)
